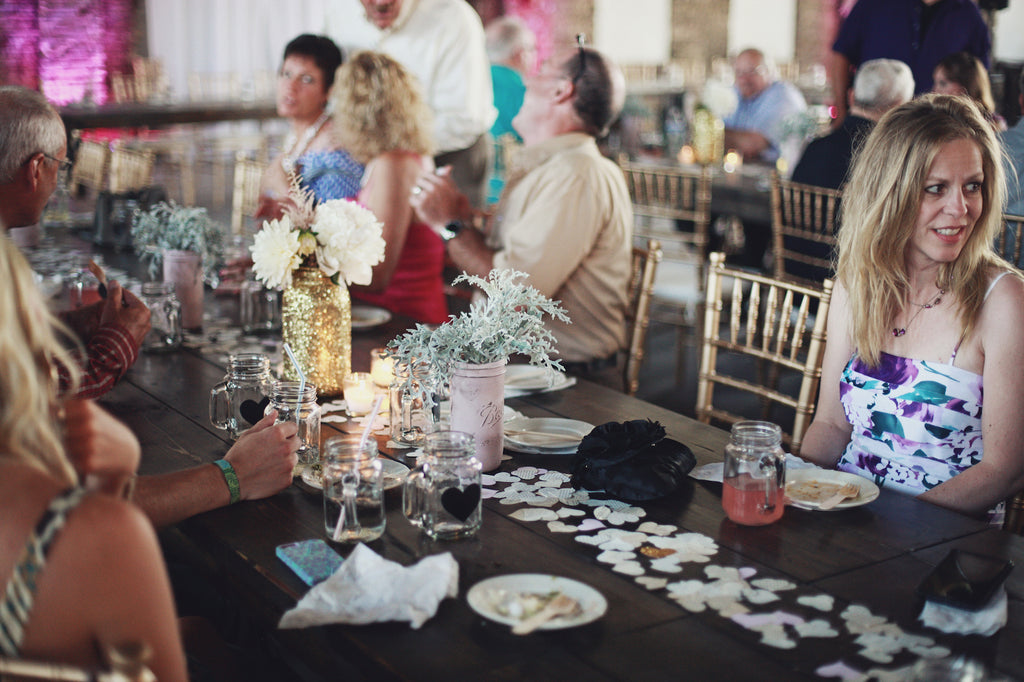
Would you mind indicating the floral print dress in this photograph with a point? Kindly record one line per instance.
(915, 424)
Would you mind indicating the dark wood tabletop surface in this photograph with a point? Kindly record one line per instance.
(873, 555)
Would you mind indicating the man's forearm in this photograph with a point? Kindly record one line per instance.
(169, 498)
(470, 253)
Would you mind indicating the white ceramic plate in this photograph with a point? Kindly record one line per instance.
(558, 444)
(367, 316)
(868, 490)
(519, 378)
(394, 475)
(486, 594)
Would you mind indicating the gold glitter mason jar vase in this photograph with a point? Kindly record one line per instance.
(316, 317)
(708, 136)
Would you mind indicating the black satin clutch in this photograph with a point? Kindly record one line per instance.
(631, 461)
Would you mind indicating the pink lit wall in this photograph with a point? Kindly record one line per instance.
(65, 48)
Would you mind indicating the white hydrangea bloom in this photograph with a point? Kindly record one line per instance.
(350, 240)
(275, 253)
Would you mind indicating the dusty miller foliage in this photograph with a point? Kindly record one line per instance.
(509, 321)
(169, 226)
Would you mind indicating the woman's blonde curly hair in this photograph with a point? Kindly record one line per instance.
(880, 208)
(379, 107)
(30, 403)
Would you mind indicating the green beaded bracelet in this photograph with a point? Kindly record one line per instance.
(231, 478)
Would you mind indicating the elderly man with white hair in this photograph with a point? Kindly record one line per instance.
(880, 85)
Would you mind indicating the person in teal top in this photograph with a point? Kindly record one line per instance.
(512, 49)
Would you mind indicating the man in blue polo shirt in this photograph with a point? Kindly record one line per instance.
(756, 127)
(917, 32)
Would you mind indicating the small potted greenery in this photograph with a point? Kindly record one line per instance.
(466, 356)
(186, 242)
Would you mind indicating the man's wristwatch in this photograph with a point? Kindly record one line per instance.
(452, 229)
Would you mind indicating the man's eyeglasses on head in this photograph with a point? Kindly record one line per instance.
(581, 68)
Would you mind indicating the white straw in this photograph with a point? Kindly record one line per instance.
(302, 379)
(370, 421)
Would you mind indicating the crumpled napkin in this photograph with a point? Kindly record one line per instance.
(713, 471)
(985, 621)
(370, 589)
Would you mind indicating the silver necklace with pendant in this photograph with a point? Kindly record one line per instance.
(900, 331)
(291, 143)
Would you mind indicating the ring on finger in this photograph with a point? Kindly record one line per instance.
(416, 190)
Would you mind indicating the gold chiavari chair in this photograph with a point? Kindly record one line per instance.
(245, 193)
(803, 230)
(645, 267)
(767, 325)
(92, 161)
(1014, 520)
(130, 169)
(663, 197)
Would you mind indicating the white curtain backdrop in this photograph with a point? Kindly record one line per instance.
(244, 37)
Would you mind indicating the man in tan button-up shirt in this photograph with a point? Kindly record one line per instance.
(565, 216)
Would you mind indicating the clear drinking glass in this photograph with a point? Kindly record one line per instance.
(297, 406)
(165, 317)
(241, 400)
(754, 475)
(442, 494)
(411, 420)
(353, 484)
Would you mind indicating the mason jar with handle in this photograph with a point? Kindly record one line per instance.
(353, 486)
(442, 494)
(165, 319)
(296, 402)
(754, 474)
(241, 400)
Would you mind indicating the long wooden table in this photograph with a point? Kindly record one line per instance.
(153, 115)
(872, 555)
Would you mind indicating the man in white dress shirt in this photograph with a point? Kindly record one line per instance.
(441, 42)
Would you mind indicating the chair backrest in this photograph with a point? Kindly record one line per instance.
(645, 267)
(130, 169)
(803, 230)
(770, 328)
(663, 195)
(92, 161)
(1011, 238)
(1014, 519)
(245, 193)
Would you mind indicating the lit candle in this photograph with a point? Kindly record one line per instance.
(732, 162)
(359, 393)
(382, 369)
(686, 155)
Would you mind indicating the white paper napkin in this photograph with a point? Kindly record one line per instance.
(370, 589)
(984, 622)
(713, 471)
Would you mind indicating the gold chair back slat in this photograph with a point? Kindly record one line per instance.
(806, 213)
(768, 322)
(644, 269)
(1010, 239)
(1014, 520)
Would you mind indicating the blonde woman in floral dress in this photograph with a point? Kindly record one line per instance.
(924, 315)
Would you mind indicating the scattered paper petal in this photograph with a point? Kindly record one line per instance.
(534, 514)
(652, 583)
(816, 628)
(773, 584)
(838, 669)
(821, 602)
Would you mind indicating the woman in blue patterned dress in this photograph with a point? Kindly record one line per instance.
(924, 314)
(311, 149)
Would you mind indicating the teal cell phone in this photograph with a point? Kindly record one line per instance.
(312, 560)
